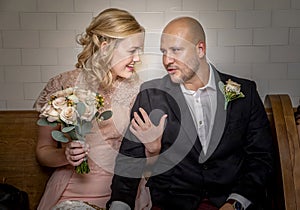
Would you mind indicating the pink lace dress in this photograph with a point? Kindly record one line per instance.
(104, 141)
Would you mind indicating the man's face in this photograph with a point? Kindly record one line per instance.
(180, 57)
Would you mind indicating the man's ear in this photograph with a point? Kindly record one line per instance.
(202, 48)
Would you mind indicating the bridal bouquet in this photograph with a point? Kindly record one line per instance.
(74, 109)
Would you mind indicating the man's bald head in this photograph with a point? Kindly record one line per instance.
(187, 28)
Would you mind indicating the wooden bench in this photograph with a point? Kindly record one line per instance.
(18, 165)
(285, 189)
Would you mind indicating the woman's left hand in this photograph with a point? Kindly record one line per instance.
(76, 152)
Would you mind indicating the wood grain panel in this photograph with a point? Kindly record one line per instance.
(18, 165)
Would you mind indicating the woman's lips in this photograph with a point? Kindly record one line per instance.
(130, 67)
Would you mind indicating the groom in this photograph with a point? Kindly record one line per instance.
(213, 151)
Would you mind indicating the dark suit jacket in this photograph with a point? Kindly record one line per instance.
(239, 157)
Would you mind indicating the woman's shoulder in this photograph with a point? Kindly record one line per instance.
(58, 82)
(126, 91)
(67, 78)
(133, 83)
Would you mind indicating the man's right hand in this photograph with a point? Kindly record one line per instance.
(148, 133)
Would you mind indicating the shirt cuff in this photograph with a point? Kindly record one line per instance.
(244, 201)
(119, 205)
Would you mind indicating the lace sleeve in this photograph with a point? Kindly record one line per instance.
(59, 82)
(126, 93)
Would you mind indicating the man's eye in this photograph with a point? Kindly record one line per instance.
(176, 50)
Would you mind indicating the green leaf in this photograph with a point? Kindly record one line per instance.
(68, 129)
(86, 127)
(78, 131)
(45, 122)
(221, 87)
(73, 134)
(80, 108)
(59, 136)
(105, 115)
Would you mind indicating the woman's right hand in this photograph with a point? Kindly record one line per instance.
(76, 152)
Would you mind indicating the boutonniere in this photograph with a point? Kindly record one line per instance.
(231, 91)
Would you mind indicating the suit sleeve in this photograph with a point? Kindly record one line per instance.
(130, 163)
(258, 167)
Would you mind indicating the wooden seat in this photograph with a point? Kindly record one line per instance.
(286, 188)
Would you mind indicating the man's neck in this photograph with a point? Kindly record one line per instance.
(200, 79)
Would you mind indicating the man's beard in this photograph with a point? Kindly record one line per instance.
(183, 77)
(187, 73)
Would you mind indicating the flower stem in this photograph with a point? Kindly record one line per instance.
(83, 168)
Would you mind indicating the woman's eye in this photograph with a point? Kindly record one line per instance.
(132, 51)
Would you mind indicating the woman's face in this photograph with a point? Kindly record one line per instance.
(126, 54)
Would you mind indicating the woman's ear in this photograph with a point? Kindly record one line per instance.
(103, 48)
(103, 45)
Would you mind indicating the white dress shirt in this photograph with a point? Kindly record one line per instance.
(202, 104)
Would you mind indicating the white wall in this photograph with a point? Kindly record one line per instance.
(256, 39)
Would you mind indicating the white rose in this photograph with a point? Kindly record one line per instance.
(85, 95)
(65, 92)
(59, 103)
(91, 99)
(73, 98)
(233, 87)
(50, 113)
(53, 116)
(69, 115)
(90, 111)
(81, 94)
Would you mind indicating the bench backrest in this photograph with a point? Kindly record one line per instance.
(286, 188)
(18, 165)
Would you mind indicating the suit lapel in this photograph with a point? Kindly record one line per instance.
(219, 122)
(187, 123)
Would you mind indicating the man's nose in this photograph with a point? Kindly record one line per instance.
(168, 59)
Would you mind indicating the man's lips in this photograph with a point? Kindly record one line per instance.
(171, 69)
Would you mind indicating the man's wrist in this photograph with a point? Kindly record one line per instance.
(235, 204)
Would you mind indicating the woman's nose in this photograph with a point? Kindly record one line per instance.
(136, 57)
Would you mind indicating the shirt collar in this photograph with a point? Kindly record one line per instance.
(210, 85)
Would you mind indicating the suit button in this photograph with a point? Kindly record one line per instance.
(204, 167)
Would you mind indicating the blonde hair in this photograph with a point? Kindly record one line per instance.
(111, 25)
